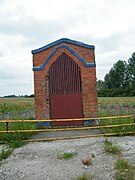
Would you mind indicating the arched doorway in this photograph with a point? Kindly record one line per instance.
(65, 91)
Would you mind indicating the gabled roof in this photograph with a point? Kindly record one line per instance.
(63, 40)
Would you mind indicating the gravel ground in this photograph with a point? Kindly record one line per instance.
(39, 160)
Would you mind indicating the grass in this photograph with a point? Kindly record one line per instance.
(110, 148)
(107, 106)
(65, 155)
(117, 100)
(15, 140)
(120, 129)
(16, 104)
(114, 106)
(84, 177)
(5, 152)
(124, 170)
(17, 126)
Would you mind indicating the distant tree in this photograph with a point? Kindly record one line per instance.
(131, 71)
(108, 83)
(120, 81)
(100, 84)
(32, 95)
(117, 75)
(25, 96)
(10, 96)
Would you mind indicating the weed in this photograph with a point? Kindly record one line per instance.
(124, 171)
(5, 152)
(84, 177)
(110, 148)
(65, 155)
(14, 140)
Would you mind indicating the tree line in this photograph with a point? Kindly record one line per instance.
(120, 81)
(20, 96)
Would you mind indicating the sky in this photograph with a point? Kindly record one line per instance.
(26, 25)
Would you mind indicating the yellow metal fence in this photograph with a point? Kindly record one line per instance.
(51, 129)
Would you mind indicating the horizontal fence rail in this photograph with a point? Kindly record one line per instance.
(67, 129)
(78, 137)
(76, 119)
(51, 129)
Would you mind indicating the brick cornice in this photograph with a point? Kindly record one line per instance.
(63, 40)
(69, 49)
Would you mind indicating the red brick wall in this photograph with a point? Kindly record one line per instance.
(88, 78)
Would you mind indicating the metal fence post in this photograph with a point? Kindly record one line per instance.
(7, 126)
(134, 122)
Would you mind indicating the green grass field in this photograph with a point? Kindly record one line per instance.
(16, 104)
(107, 106)
(116, 106)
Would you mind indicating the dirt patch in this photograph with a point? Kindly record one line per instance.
(40, 160)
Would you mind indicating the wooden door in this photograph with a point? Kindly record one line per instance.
(65, 91)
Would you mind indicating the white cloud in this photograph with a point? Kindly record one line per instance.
(29, 24)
